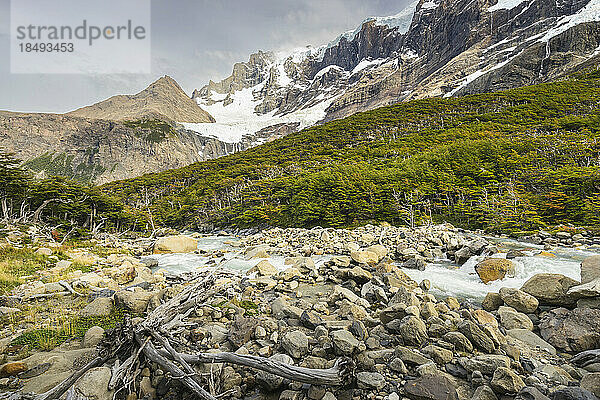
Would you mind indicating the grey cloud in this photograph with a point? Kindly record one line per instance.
(193, 41)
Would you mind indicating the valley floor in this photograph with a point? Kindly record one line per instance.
(308, 298)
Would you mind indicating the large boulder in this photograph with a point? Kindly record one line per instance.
(430, 387)
(94, 384)
(493, 269)
(92, 337)
(263, 268)
(476, 336)
(295, 343)
(492, 301)
(413, 330)
(589, 289)
(519, 300)
(550, 289)
(472, 248)
(531, 339)
(99, 307)
(175, 244)
(573, 331)
(591, 382)
(512, 319)
(365, 257)
(590, 269)
(572, 393)
(135, 300)
(505, 381)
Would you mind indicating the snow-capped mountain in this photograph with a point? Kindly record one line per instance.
(431, 48)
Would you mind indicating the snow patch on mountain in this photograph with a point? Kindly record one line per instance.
(429, 5)
(239, 119)
(365, 63)
(470, 78)
(589, 13)
(505, 5)
(402, 20)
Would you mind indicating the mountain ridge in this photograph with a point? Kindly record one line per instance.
(433, 48)
(162, 99)
(517, 159)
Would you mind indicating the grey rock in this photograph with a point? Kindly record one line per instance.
(93, 336)
(550, 289)
(295, 343)
(590, 289)
(431, 387)
(344, 343)
(94, 384)
(487, 363)
(370, 380)
(460, 341)
(438, 354)
(410, 356)
(512, 319)
(484, 392)
(505, 381)
(310, 319)
(397, 365)
(573, 393)
(413, 330)
(519, 300)
(100, 307)
(476, 336)
(591, 382)
(590, 269)
(492, 302)
(393, 312)
(530, 393)
(134, 300)
(574, 331)
(531, 339)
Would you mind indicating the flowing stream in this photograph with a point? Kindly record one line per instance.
(447, 278)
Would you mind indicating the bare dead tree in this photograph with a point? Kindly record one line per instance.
(154, 340)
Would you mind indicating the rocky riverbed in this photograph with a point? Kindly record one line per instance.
(309, 297)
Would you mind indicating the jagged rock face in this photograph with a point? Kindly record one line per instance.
(163, 99)
(100, 151)
(433, 48)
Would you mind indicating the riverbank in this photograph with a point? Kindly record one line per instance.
(309, 297)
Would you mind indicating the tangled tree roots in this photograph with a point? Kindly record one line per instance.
(155, 339)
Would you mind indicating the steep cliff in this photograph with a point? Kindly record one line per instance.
(99, 151)
(433, 48)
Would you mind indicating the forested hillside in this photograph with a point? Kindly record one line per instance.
(507, 161)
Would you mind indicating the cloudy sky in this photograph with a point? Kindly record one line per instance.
(193, 41)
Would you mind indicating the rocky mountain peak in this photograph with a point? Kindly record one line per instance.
(163, 99)
(431, 48)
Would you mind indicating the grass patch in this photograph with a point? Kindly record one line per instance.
(48, 338)
(17, 263)
(154, 131)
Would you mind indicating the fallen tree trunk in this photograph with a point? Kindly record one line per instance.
(152, 338)
(338, 375)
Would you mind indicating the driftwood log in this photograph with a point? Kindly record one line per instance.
(153, 340)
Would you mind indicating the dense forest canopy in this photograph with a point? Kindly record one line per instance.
(509, 161)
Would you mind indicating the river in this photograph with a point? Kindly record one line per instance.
(447, 279)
